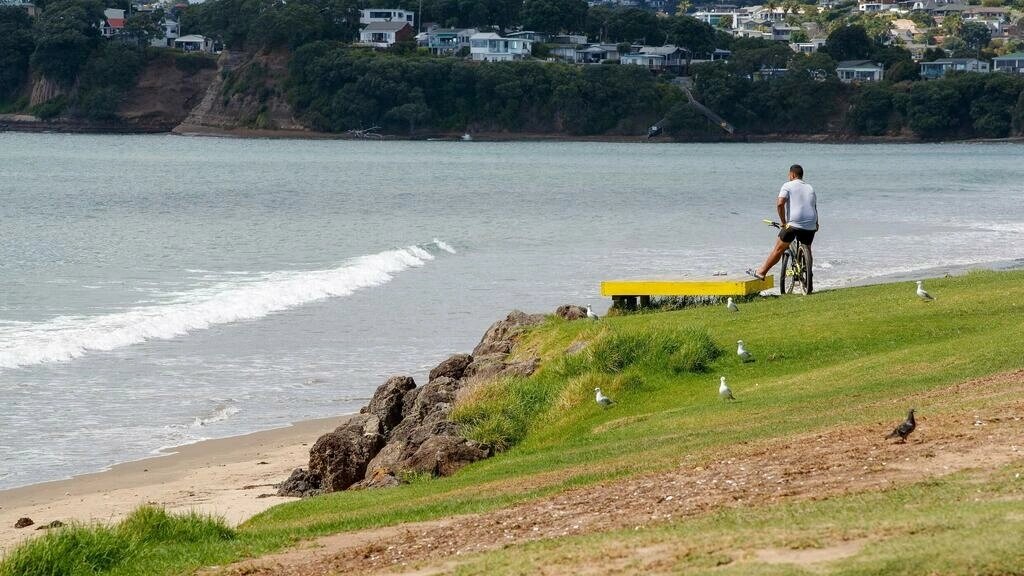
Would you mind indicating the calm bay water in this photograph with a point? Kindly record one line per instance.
(157, 290)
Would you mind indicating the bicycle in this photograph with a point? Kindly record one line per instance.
(796, 266)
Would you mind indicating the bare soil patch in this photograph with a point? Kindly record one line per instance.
(812, 466)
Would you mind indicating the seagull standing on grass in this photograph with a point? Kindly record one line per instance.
(731, 306)
(723, 390)
(591, 314)
(904, 429)
(742, 352)
(922, 294)
(601, 399)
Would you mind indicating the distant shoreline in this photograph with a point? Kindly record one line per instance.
(29, 124)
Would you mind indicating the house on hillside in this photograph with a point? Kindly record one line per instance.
(809, 47)
(25, 5)
(674, 57)
(598, 53)
(649, 61)
(379, 15)
(529, 35)
(172, 30)
(490, 47)
(1012, 63)
(569, 39)
(113, 22)
(939, 68)
(448, 41)
(851, 71)
(873, 6)
(195, 43)
(385, 34)
(996, 13)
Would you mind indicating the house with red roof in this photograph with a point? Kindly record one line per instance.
(113, 22)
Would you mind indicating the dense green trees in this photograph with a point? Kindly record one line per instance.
(554, 16)
(66, 34)
(849, 43)
(624, 25)
(16, 46)
(337, 88)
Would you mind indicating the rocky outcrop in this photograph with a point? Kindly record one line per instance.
(23, 522)
(165, 94)
(571, 312)
(339, 458)
(408, 429)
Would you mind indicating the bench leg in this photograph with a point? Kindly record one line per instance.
(624, 302)
(645, 302)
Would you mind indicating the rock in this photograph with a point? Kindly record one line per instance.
(54, 524)
(571, 312)
(522, 369)
(301, 484)
(387, 401)
(340, 457)
(502, 335)
(439, 391)
(409, 400)
(494, 366)
(23, 522)
(443, 455)
(453, 367)
(379, 478)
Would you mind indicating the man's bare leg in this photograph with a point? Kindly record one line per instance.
(773, 257)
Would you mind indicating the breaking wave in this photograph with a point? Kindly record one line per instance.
(68, 337)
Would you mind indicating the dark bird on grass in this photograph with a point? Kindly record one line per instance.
(905, 428)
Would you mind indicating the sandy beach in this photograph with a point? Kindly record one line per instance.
(228, 477)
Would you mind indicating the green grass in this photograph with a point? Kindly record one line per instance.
(843, 357)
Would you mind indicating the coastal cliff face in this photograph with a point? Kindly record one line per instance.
(247, 93)
(164, 95)
(406, 429)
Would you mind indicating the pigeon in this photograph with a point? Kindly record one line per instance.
(731, 306)
(724, 392)
(742, 352)
(922, 294)
(904, 429)
(601, 399)
(591, 314)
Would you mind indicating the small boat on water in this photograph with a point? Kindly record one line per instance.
(466, 137)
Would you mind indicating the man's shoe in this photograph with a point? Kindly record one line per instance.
(755, 274)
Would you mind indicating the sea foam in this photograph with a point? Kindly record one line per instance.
(68, 337)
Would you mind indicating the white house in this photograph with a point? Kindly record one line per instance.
(939, 68)
(194, 43)
(650, 61)
(490, 47)
(872, 6)
(113, 22)
(372, 15)
(809, 47)
(1013, 63)
(850, 71)
(385, 34)
(172, 30)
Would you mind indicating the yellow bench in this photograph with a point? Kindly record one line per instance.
(626, 292)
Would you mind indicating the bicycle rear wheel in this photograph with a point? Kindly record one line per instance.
(786, 278)
(807, 276)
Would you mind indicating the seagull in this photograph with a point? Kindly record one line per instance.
(731, 306)
(724, 392)
(904, 429)
(742, 352)
(922, 294)
(591, 314)
(602, 399)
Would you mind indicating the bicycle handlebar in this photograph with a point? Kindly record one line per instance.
(772, 223)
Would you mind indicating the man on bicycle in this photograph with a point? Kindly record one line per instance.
(798, 215)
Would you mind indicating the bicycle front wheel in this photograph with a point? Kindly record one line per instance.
(807, 276)
(786, 278)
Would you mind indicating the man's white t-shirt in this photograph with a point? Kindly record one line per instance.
(802, 208)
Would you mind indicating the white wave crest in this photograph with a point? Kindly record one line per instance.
(68, 337)
(444, 246)
(220, 414)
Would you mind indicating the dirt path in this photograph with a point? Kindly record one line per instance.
(814, 466)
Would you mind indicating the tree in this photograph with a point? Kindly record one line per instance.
(411, 112)
(951, 24)
(16, 47)
(66, 35)
(848, 43)
(799, 36)
(976, 35)
(690, 33)
(870, 110)
(934, 109)
(683, 6)
(1018, 114)
(144, 27)
(554, 16)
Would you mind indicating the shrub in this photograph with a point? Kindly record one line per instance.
(51, 108)
(191, 63)
(93, 549)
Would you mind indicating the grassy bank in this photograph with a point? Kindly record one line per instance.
(843, 358)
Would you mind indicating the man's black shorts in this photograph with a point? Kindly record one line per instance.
(805, 236)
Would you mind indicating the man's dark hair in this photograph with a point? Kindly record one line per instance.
(798, 170)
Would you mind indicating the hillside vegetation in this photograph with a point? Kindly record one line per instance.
(797, 464)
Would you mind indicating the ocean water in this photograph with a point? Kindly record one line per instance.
(159, 290)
